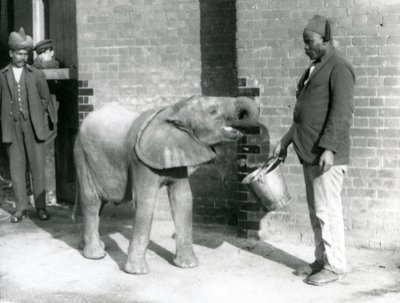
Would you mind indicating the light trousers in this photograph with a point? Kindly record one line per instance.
(326, 214)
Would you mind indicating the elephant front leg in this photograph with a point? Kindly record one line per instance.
(180, 196)
(143, 217)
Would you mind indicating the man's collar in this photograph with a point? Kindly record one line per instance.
(28, 67)
(9, 67)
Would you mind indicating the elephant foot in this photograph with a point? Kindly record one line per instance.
(136, 267)
(186, 260)
(94, 251)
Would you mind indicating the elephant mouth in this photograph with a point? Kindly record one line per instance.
(231, 133)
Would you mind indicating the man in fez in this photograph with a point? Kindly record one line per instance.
(24, 101)
(321, 140)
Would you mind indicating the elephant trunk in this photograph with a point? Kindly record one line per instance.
(247, 113)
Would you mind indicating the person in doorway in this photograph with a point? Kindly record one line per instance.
(24, 100)
(321, 140)
(45, 59)
(45, 55)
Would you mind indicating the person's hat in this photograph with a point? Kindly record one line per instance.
(19, 40)
(321, 25)
(43, 45)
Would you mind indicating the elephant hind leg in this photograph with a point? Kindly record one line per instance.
(94, 248)
(90, 202)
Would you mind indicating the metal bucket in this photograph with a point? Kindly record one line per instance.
(268, 186)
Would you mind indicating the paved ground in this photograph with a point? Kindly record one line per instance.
(40, 262)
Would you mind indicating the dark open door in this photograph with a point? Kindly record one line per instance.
(60, 26)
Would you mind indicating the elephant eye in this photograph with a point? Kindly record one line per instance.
(213, 112)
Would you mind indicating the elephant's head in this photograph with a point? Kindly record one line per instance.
(181, 135)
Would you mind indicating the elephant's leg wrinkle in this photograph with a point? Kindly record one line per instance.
(180, 197)
(142, 221)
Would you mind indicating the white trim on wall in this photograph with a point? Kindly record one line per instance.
(38, 20)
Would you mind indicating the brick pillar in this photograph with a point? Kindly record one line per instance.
(84, 93)
(250, 151)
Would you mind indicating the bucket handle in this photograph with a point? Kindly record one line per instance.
(255, 175)
(268, 166)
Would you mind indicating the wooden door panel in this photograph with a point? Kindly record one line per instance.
(61, 28)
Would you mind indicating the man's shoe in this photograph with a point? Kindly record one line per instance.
(323, 277)
(42, 214)
(309, 269)
(19, 215)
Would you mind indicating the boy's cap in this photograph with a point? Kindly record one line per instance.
(43, 45)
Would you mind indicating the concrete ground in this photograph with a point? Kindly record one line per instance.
(40, 262)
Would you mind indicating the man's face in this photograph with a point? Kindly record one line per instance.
(47, 55)
(314, 45)
(19, 57)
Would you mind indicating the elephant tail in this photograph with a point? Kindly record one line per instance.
(76, 211)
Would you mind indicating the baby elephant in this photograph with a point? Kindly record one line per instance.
(123, 155)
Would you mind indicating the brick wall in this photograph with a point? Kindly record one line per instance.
(139, 53)
(271, 57)
(146, 53)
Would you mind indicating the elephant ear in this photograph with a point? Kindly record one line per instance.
(162, 144)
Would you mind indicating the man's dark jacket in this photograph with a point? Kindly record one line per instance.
(323, 112)
(38, 101)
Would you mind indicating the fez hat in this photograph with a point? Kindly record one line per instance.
(19, 40)
(321, 25)
(43, 45)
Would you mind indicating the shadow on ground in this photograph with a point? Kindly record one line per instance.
(63, 228)
(40, 262)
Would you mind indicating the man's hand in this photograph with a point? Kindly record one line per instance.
(326, 160)
(279, 152)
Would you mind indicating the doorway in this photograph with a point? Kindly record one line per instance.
(55, 20)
